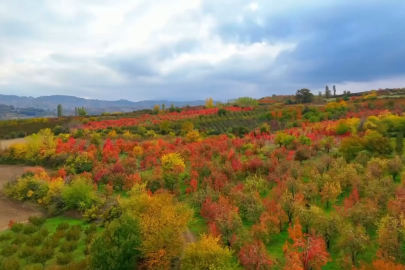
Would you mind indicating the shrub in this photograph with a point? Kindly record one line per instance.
(34, 240)
(68, 246)
(73, 233)
(26, 252)
(19, 239)
(5, 237)
(36, 220)
(91, 229)
(63, 226)
(80, 194)
(59, 234)
(8, 250)
(43, 232)
(82, 163)
(64, 258)
(89, 238)
(42, 256)
(10, 264)
(30, 228)
(17, 227)
(51, 242)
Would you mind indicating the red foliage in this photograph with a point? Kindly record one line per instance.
(254, 256)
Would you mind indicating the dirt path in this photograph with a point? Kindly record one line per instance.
(189, 237)
(6, 143)
(11, 209)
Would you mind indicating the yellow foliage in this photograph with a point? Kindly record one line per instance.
(55, 190)
(162, 223)
(209, 103)
(40, 145)
(193, 136)
(112, 134)
(30, 193)
(336, 105)
(172, 161)
(127, 135)
(187, 127)
(138, 151)
(19, 150)
(207, 253)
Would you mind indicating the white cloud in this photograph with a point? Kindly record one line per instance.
(93, 47)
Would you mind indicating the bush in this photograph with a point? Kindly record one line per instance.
(19, 239)
(73, 233)
(42, 256)
(17, 227)
(58, 235)
(91, 214)
(82, 163)
(51, 242)
(91, 229)
(64, 258)
(30, 228)
(35, 240)
(63, 226)
(26, 252)
(10, 264)
(5, 237)
(80, 194)
(8, 250)
(36, 220)
(43, 232)
(68, 246)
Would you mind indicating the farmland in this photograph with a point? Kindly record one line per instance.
(246, 186)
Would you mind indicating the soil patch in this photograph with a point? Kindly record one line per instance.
(10, 209)
(6, 143)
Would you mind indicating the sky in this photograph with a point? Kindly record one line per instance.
(194, 49)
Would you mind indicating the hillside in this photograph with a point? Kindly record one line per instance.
(93, 106)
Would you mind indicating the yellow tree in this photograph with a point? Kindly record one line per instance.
(162, 222)
(193, 136)
(173, 162)
(207, 253)
(209, 103)
(330, 192)
(186, 127)
(156, 109)
(138, 151)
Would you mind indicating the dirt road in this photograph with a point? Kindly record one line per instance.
(10, 209)
(6, 143)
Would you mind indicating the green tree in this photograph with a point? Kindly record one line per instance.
(118, 246)
(156, 109)
(327, 92)
(60, 113)
(353, 241)
(42, 256)
(81, 111)
(165, 127)
(304, 96)
(163, 107)
(334, 90)
(246, 101)
(351, 146)
(399, 146)
(79, 194)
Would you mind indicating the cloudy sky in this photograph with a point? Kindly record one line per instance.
(193, 49)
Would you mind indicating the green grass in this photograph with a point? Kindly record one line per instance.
(198, 225)
(51, 225)
(275, 246)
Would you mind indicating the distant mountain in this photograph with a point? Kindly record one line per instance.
(93, 106)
